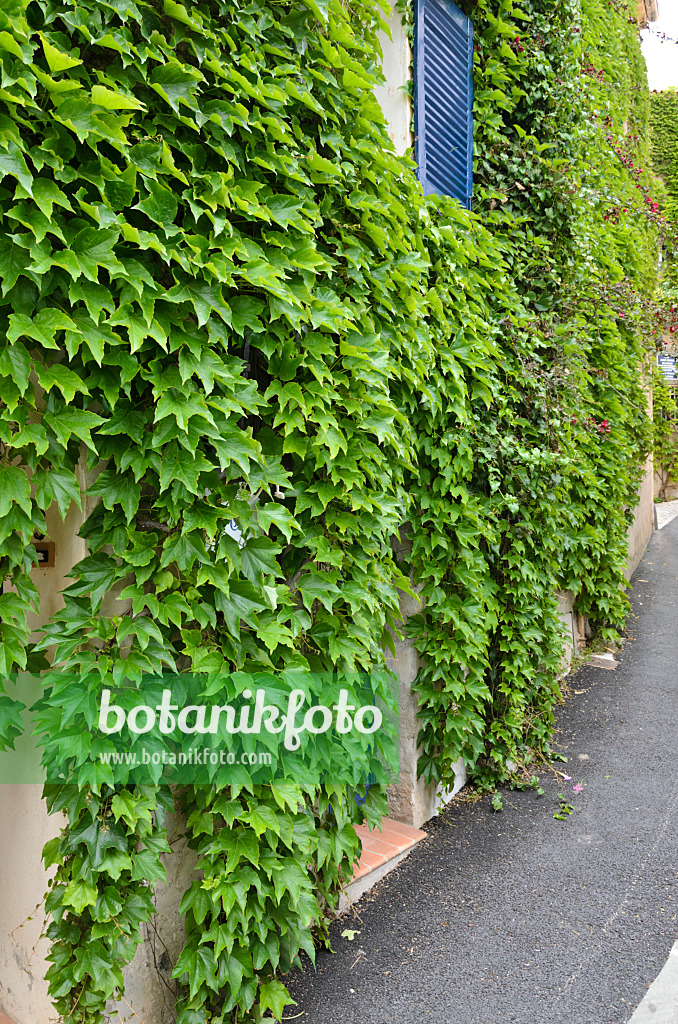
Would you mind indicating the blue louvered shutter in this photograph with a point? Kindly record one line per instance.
(443, 85)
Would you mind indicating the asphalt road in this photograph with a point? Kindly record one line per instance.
(518, 917)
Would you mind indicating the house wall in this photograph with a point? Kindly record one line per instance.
(392, 97)
(667, 491)
(641, 529)
(647, 11)
(26, 825)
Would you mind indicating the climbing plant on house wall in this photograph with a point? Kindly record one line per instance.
(224, 298)
(664, 139)
(196, 205)
(551, 451)
(665, 439)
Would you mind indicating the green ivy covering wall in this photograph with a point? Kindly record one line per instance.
(664, 139)
(664, 142)
(665, 433)
(534, 484)
(224, 297)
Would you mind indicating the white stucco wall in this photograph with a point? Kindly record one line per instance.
(642, 528)
(392, 98)
(25, 829)
(26, 826)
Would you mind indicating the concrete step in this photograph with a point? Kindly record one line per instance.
(382, 851)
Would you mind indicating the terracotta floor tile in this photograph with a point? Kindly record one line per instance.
(378, 844)
(406, 830)
(4, 1019)
(400, 843)
(372, 859)
(358, 873)
(389, 825)
(379, 847)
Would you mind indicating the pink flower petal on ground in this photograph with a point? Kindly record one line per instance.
(578, 788)
(568, 778)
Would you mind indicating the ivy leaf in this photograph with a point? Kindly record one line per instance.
(97, 574)
(222, 938)
(58, 485)
(79, 895)
(60, 376)
(108, 904)
(245, 312)
(42, 327)
(96, 298)
(120, 191)
(94, 960)
(74, 745)
(274, 996)
(13, 262)
(318, 586)
(47, 194)
(10, 45)
(287, 794)
(71, 421)
(184, 550)
(188, 1016)
(161, 205)
(148, 867)
(243, 602)
(258, 558)
(97, 337)
(31, 433)
(181, 407)
(278, 514)
(238, 965)
(290, 878)
(199, 964)
(97, 837)
(116, 489)
(227, 808)
(262, 818)
(206, 365)
(11, 721)
(234, 446)
(12, 162)
(240, 844)
(275, 633)
(131, 807)
(284, 210)
(176, 84)
(198, 900)
(142, 627)
(56, 60)
(111, 99)
(114, 863)
(185, 466)
(15, 362)
(93, 248)
(126, 420)
(206, 299)
(14, 487)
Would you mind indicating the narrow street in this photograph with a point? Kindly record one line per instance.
(517, 916)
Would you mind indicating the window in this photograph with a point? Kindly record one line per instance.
(443, 99)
